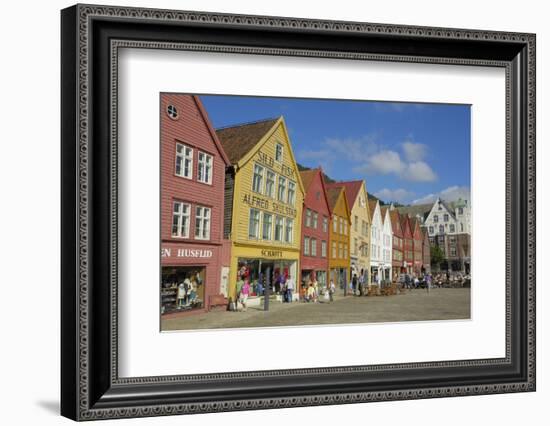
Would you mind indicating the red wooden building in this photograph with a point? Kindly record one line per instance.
(408, 248)
(315, 228)
(192, 195)
(397, 245)
(418, 241)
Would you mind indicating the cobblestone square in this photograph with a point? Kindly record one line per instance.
(413, 305)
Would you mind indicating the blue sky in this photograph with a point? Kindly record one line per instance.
(406, 152)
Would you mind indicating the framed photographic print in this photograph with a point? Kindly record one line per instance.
(263, 212)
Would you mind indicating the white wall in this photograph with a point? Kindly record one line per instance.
(29, 225)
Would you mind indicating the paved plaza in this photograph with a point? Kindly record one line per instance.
(413, 305)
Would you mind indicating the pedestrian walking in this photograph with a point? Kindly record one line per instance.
(354, 284)
(290, 284)
(331, 290)
(244, 293)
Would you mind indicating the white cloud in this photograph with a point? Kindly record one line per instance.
(419, 171)
(452, 193)
(414, 151)
(399, 195)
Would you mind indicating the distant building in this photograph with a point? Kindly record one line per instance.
(397, 245)
(386, 244)
(340, 224)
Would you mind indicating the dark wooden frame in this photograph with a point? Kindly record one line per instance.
(90, 386)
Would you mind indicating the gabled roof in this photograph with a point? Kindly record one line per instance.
(352, 190)
(396, 223)
(372, 208)
(238, 140)
(444, 204)
(211, 130)
(333, 195)
(405, 224)
(307, 176)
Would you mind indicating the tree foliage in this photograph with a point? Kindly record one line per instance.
(436, 255)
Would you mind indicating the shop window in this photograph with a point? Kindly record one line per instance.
(291, 195)
(202, 223)
(278, 228)
(281, 189)
(323, 249)
(184, 161)
(279, 152)
(172, 112)
(205, 168)
(313, 247)
(180, 219)
(267, 226)
(254, 223)
(306, 246)
(315, 219)
(257, 178)
(182, 288)
(270, 184)
(289, 230)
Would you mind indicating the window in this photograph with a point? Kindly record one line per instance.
(431, 229)
(436, 218)
(205, 168)
(334, 250)
(257, 178)
(452, 239)
(172, 112)
(184, 161)
(452, 251)
(345, 251)
(291, 196)
(282, 189)
(445, 217)
(341, 225)
(202, 223)
(355, 246)
(278, 228)
(366, 229)
(180, 219)
(289, 230)
(441, 229)
(335, 224)
(325, 224)
(365, 248)
(279, 153)
(452, 228)
(315, 219)
(308, 218)
(306, 246)
(461, 227)
(323, 249)
(460, 210)
(267, 226)
(270, 183)
(254, 223)
(340, 250)
(345, 227)
(313, 247)
(356, 224)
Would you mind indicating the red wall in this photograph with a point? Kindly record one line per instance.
(320, 206)
(191, 129)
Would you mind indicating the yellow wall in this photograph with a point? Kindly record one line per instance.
(244, 198)
(361, 210)
(341, 211)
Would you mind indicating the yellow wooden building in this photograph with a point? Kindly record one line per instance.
(359, 242)
(264, 197)
(339, 236)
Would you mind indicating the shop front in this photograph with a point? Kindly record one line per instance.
(265, 269)
(189, 278)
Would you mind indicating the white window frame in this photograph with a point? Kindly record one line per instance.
(281, 184)
(308, 218)
(260, 178)
(202, 222)
(207, 166)
(271, 193)
(315, 221)
(314, 247)
(325, 224)
(277, 146)
(306, 246)
(291, 199)
(277, 220)
(183, 156)
(255, 235)
(182, 230)
(289, 230)
(323, 248)
(270, 229)
(335, 224)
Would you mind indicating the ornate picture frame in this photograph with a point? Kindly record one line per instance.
(91, 386)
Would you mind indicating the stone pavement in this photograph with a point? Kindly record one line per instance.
(413, 305)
